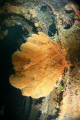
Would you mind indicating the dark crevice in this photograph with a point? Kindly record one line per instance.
(44, 8)
(52, 30)
(11, 97)
(50, 117)
(39, 101)
(69, 11)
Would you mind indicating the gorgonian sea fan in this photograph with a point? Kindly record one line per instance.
(38, 66)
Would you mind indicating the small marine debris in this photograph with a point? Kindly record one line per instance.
(5, 32)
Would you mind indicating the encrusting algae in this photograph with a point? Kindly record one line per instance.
(38, 66)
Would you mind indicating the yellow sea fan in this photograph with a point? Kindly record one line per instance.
(38, 66)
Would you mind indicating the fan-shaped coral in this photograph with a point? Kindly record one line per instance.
(38, 66)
